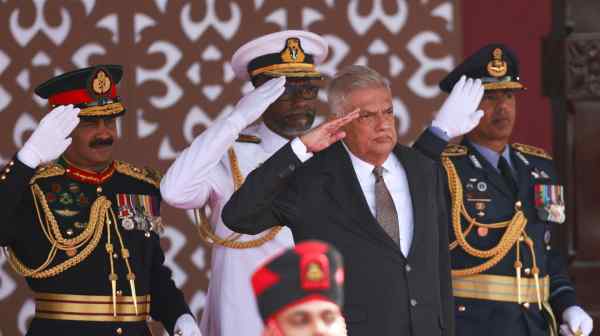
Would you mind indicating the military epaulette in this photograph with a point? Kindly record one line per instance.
(49, 170)
(454, 150)
(248, 138)
(532, 150)
(146, 174)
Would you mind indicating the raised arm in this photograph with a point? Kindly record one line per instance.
(48, 141)
(268, 196)
(190, 179)
(458, 115)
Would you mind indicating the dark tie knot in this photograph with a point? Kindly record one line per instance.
(378, 172)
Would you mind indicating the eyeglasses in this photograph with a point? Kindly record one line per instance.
(303, 91)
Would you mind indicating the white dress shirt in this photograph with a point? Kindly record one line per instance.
(395, 179)
(201, 176)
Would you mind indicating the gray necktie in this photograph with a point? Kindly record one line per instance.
(385, 211)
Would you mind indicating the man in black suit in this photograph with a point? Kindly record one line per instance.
(380, 203)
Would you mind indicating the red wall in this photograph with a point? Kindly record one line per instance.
(521, 25)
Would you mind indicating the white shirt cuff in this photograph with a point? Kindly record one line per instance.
(300, 150)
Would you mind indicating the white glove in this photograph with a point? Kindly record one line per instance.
(458, 114)
(50, 139)
(576, 319)
(186, 326)
(253, 104)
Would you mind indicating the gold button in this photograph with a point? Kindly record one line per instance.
(518, 204)
(99, 189)
(462, 308)
(527, 271)
(3, 177)
(69, 232)
(119, 292)
(119, 331)
(7, 170)
(147, 234)
(115, 255)
(11, 163)
(526, 304)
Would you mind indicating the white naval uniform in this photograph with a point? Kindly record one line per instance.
(201, 176)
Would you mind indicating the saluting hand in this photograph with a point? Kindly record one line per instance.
(327, 133)
(256, 102)
(459, 114)
(51, 138)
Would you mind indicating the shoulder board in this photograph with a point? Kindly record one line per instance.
(455, 150)
(145, 174)
(532, 150)
(248, 138)
(49, 170)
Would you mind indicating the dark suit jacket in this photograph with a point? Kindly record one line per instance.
(385, 293)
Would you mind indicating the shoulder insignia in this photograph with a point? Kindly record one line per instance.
(531, 150)
(49, 170)
(148, 175)
(248, 138)
(454, 150)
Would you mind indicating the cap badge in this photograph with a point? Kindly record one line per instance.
(101, 83)
(292, 53)
(497, 67)
(314, 272)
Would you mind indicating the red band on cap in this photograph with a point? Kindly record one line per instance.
(311, 246)
(79, 96)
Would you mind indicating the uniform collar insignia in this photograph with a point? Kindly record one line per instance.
(522, 158)
(86, 176)
(475, 161)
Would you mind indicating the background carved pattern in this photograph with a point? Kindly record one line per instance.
(583, 66)
(177, 80)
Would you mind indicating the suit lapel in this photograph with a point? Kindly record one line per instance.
(346, 191)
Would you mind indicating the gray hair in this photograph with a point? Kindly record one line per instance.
(349, 79)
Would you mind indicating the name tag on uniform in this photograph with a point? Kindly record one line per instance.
(550, 202)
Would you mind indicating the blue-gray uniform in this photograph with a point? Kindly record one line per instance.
(501, 234)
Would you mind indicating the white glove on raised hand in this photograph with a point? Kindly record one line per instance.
(186, 326)
(50, 139)
(459, 115)
(253, 104)
(576, 320)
